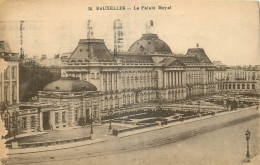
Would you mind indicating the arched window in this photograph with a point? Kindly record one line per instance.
(234, 86)
(248, 86)
(106, 102)
(229, 86)
(253, 86)
(128, 99)
(243, 86)
(141, 97)
(132, 98)
(169, 95)
(124, 100)
(238, 86)
(92, 75)
(116, 102)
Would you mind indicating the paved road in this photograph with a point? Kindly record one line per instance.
(223, 146)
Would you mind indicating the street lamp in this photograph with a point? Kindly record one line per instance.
(158, 108)
(14, 123)
(91, 125)
(247, 140)
(110, 113)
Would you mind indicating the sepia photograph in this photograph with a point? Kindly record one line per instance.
(129, 82)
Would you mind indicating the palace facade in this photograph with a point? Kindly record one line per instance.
(148, 72)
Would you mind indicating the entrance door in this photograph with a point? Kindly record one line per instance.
(46, 120)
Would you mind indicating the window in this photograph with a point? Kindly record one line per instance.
(63, 117)
(6, 73)
(57, 118)
(92, 75)
(24, 123)
(5, 93)
(33, 122)
(76, 115)
(13, 93)
(98, 76)
(13, 72)
(253, 86)
(80, 50)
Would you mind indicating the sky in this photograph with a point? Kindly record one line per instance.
(228, 31)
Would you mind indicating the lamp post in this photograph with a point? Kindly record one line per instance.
(14, 123)
(159, 107)
(91, 124)
(110, 113)
(247, 140)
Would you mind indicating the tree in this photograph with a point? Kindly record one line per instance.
(33, 78)
(3, 107)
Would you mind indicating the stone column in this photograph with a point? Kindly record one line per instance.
(177, 79)
(41, 121)
(112, 82)
(170, 77)
(181, 79)
(165, 79)
(10, 84)
(174, 78)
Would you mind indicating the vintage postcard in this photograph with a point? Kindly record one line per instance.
(129, 82)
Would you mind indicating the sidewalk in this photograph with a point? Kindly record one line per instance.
(253, 161)
(65, 134)
(55, 147)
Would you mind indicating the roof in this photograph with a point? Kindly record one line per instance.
(135, 58)
(70, 84)
(149, 44)
(91, 50)
(199, 53)
(171, 61)
(187, 59)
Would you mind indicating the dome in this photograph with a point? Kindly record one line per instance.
(149, 44)
(70, 84)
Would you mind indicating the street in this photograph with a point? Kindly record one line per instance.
(223, 146)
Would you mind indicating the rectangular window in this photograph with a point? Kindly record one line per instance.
(63, 117)
(33, 122)
(13, 72)
(24, 122)
(6, 93)
(13, 93)
(6, 73)
(76, 115)
(57, 118)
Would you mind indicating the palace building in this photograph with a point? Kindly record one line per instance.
(95, 80)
